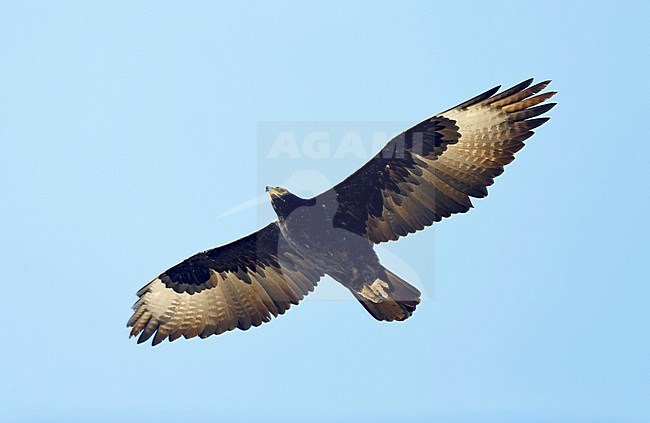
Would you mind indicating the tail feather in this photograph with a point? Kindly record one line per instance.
(390, 298)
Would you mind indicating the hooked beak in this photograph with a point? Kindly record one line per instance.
(273, 192)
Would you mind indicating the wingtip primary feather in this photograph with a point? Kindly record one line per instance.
(530, 112)
(534, 123)
(474, 100)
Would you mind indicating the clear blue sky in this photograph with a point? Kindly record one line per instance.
(128, 128)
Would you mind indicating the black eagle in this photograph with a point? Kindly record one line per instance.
(421, 176)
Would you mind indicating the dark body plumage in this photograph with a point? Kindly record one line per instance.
(421, 176)
(311, 228)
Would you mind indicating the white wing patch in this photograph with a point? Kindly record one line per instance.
(229, 304)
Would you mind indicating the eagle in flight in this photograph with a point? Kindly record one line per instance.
(427, 173)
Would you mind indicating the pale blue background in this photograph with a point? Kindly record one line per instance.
(127, 127)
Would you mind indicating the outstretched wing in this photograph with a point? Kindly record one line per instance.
(431, 170)
(238, 285)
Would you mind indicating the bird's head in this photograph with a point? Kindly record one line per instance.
(276, 192)
(283, 201)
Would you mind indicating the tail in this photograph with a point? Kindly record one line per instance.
(389, 298)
